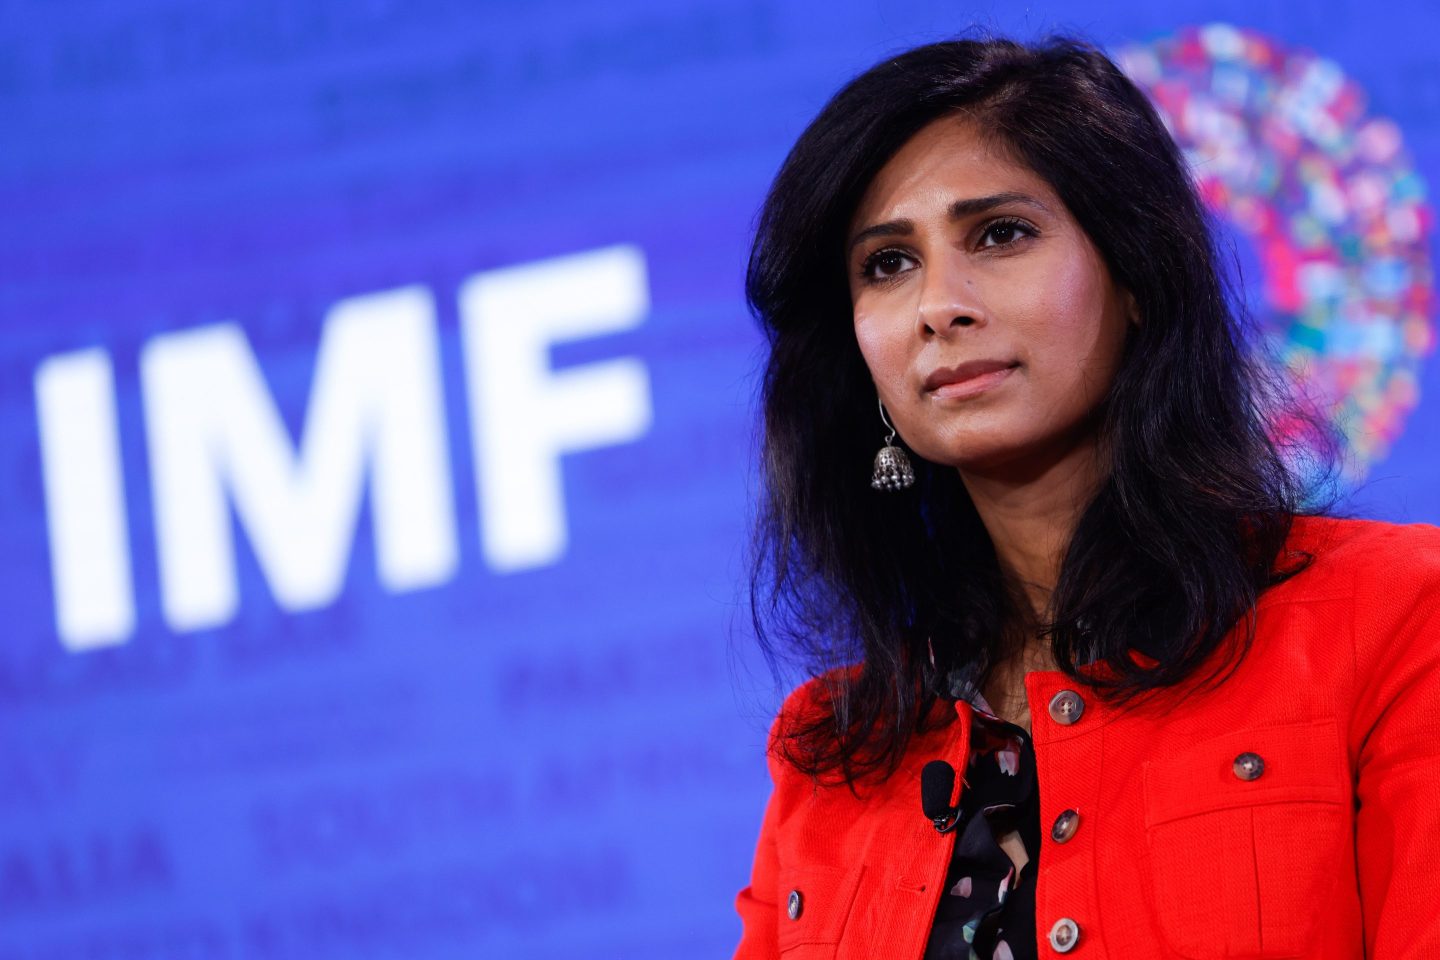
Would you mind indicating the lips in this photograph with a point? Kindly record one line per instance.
(969, 370)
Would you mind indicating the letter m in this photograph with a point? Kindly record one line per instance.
(217, 440)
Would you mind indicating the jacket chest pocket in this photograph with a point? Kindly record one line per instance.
(1245, 835)
(815, 905)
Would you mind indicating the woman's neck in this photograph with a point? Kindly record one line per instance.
(1004, 687)
(1030, 512)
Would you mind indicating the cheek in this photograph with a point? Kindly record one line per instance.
(879, 345)
(1082, 331)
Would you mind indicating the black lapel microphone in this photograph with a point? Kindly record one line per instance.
(937, 782)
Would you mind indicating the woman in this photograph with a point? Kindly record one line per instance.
(1088, 679)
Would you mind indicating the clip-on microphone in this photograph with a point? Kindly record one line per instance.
(937, 782)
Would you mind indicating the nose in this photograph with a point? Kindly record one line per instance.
(948, 302)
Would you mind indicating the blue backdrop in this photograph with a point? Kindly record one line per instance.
(377, 429)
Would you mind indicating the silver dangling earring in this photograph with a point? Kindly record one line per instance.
(892, 466)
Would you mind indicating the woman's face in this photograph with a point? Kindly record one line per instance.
(987, 318)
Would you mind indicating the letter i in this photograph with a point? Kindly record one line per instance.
(84, 499)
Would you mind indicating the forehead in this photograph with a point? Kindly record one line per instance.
(948, 159)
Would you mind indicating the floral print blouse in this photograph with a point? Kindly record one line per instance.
(987, 911)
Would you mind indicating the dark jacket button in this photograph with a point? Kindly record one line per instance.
(794, 905)
(1248, 766)
(1065, 825)
(1064, 935)
(1066, 707)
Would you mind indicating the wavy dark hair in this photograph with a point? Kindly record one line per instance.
(1187, 529)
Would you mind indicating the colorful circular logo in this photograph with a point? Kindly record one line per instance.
(1281, 146)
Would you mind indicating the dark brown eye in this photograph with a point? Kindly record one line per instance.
(885, 264)
(1003, 233)
(888, 263)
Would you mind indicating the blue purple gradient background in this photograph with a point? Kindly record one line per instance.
(555, 763)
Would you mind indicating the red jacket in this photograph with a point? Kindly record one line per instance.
(1331, 851)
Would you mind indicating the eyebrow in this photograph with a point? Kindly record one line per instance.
(959, 210)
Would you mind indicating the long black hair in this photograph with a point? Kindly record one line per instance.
(1188, 528)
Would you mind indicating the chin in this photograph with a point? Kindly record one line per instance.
(980, 452)
(965, 457)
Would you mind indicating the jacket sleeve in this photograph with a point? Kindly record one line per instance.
(1397, 649)
(756, 904)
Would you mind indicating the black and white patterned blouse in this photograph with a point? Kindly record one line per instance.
(987, 910)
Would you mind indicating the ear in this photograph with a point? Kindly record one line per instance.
(1132, 309)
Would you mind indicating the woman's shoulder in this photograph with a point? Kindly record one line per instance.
(1388, 577)
(1360, 531)
(812, 698)
(803, 733)
(1354, 554)
(808, 706)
